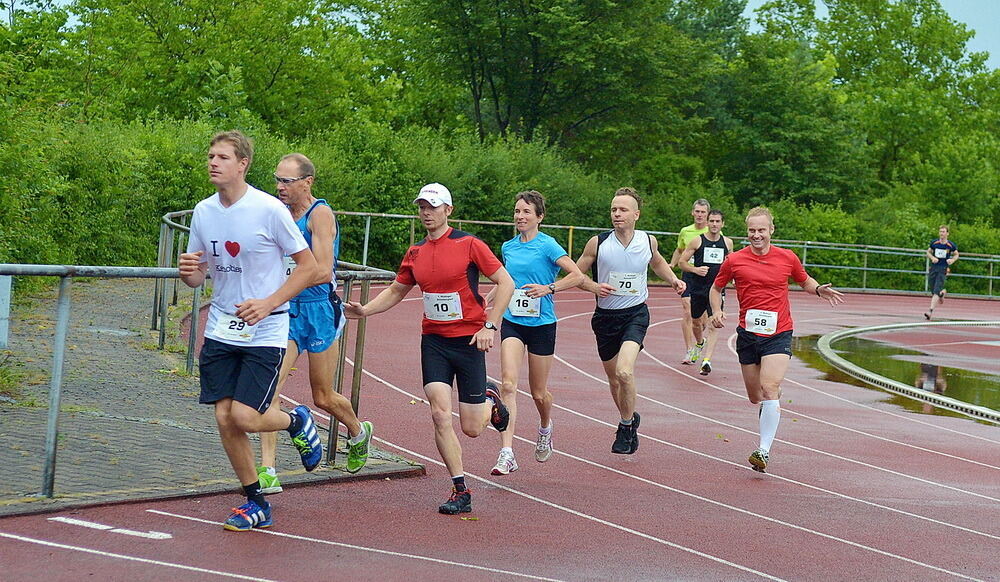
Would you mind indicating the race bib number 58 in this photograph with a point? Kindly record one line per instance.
(762, 322)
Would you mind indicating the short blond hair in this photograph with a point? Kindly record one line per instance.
(630, 192)
(761, 211)
(242, 146)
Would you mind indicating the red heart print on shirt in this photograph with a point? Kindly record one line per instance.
(233, 248)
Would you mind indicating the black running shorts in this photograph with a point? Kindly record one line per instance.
(539, 339)
(613, 327)
(447, 359)
(247, 374)
(700, 304)
(751, 347)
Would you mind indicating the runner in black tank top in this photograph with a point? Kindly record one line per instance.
(708, 251)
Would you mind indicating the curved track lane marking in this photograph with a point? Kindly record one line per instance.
(362, 548)
(731, 345)
(742, 396)
(665, 487)
(131, 558)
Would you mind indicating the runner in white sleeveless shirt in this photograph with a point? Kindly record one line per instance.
(619, 259)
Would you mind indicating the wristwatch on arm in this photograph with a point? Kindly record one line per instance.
(552, 288)
(489, 325)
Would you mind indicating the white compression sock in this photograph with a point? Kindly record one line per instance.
(770, 414)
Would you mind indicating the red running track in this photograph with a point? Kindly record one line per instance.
(858, 489)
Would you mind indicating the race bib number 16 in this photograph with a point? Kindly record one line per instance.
(523, 306)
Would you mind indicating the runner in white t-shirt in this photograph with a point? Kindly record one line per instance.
(239, 235)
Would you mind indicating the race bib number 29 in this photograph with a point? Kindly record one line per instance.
(234, 329)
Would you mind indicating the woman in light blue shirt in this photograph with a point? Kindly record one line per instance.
(533, 259)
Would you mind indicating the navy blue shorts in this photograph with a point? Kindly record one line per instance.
(315, 325)
(935, 280)
(447, 359)
(613, 327)
(539, 339)
(247, 374)
(751, 347)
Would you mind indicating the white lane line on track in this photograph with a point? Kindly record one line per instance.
(363, 548)
(131, 558)
(742, 396)
(668, 488)
(774, 475)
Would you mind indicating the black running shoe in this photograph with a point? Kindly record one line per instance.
(499, 416)
(457, 503)
(623, 441)
(635, 432)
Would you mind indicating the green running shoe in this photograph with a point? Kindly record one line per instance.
(357, 455)
(269, 483)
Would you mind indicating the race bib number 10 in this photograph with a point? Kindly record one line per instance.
(761, 322)
(234, 329)
(523, 306)
(442, 306)
(627, 283)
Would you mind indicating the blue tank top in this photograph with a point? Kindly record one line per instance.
(319, 291)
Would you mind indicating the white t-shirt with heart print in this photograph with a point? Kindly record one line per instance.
(244, 245)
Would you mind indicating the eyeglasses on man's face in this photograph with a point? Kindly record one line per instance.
(287, 181)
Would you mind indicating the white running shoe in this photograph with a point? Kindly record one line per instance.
(758, 460)
(543, 448)
(505, 464)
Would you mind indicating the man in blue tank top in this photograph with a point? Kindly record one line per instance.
(941, 254)
(316, 317)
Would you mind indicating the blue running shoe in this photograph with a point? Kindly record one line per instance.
(248, 516)
(307, 440)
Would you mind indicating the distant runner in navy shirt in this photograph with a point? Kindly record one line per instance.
(942, 253)
(533, 260)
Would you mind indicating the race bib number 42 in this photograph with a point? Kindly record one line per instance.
(442, 306)
(232, 328)
(523, 306)
(714, 256)
(627, 283)
(761, 322)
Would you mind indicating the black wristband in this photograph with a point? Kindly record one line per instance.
(817, 290)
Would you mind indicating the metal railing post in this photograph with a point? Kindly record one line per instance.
(569, 243)
(413, 231)
(158, 283)
(991, 280)
(5, 302)
(368, 232)
(193, 329)
(55, 389)
(359, 350)
(163, 316)
(338, 379)
(864, 271)
(805, 254)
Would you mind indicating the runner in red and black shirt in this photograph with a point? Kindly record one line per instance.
(764, 334)
(456, 330)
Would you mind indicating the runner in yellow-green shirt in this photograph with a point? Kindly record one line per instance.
(699, 211)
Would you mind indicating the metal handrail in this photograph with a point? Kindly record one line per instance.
(163, 274)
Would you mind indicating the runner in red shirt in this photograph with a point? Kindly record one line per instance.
(456, 331)
(764, 333)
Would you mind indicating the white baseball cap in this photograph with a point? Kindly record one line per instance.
(436, 194)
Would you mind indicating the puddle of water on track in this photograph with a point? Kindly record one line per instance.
(903, 366)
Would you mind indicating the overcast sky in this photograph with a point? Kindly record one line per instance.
(982, 16)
